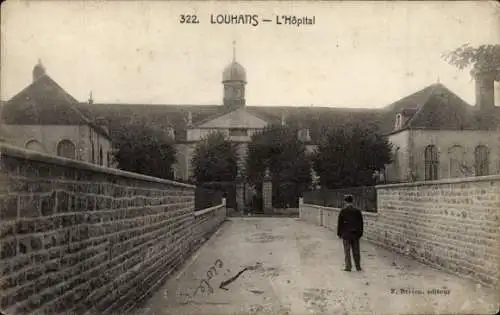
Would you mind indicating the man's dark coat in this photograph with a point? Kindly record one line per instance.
(350, 223)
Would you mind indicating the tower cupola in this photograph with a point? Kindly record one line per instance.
(234, 79)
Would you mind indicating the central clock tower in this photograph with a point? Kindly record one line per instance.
(234, 81)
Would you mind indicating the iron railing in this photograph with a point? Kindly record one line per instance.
(365, 197)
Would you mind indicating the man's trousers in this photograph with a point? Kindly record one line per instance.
(354, 245)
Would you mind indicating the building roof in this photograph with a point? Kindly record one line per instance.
(436, 107)
(44, 102)
(443, 109)
(316, 119)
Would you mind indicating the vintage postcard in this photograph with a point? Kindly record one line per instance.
(250, 157)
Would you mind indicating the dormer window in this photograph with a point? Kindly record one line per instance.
(403, 117)
(399, 121)
(170, 132)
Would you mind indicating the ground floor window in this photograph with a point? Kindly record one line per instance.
(34, 145)
(66, 148)
(481, 156)
(431, 162)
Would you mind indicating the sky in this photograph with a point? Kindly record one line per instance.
(358, 54)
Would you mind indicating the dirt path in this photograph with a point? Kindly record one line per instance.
(286, 266)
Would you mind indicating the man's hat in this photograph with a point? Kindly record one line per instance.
(348, 198)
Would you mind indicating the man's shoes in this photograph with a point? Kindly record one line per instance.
(345, 269)
(359, 269)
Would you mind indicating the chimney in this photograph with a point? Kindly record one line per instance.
(283, 120)
(38, 71)
(485, 91)
(102, 122)
(91, 99)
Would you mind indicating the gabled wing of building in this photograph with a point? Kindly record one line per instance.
(436, 107)
(43, 102)
(445, 110)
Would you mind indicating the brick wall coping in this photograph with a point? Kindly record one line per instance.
(201, 212)
(10, 150)
(443, 181)
(370, 214)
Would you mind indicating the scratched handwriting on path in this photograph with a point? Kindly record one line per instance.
(205, 283)
(225, 283)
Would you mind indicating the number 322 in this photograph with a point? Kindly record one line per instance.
(189, 19)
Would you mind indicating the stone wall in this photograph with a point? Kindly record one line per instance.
(451, 224)
(80, 238)
(286, 211)
(327, 217)
(207, 222)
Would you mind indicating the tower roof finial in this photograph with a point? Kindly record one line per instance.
(234, 50)
(39, 64)
(38, 70)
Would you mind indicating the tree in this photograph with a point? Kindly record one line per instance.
(145, 150)
(279, 149)
(484, 62)
(215, 159)
(481, 58)
(348, 157)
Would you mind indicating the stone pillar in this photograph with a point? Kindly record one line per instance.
(224, 204)
(242, 150)
(301, 204)
(240, 193)
(267, 193)
(314, 179)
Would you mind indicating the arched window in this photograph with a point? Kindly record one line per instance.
(34, 145)
(481, 156)
(431, 162)
(92, 152)
(66, 148)
(101, 157)
(110, 158)
(456, 154)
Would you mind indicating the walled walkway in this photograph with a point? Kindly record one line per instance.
(295, 268)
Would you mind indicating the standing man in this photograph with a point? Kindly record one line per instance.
(350, 229)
